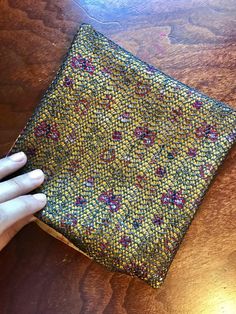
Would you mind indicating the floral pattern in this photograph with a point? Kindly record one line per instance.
(45, 129)
(68, 221)
(192, 152)
(157, 220)
(82, 63)
(146, 135)
(161, 172)
(82, 106)
(173, 198)
(80, 201)
(117, 136)
(208, 131)
(125, 241)
(68, 82)
(128, 153)
(197, 104)
(113, 201)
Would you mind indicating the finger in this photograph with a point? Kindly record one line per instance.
(10, 232)
(12, 163)
(20, 207)
(22, 184)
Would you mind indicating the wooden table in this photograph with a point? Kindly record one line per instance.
(195, 42)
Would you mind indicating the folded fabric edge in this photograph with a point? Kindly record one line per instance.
(57, 235)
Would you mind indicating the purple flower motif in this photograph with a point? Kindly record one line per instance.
(197, 104)
(80, 201)
(68, 82)
(114, 204)
(231, 137)
(45, 129)
(157, 220)
(125, 117)
(207, 131)
(160, 172)
(206, 170)
(69, 220)
(117, 136)
(173, 197)
(146, 135)
(192, 152)
(89, 182)
(76, 62)
(82, 63)
(125, 241)
(151, 69)
(103, 246)
(113, 201)
(106, 70)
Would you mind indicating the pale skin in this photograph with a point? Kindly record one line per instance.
(17, 205)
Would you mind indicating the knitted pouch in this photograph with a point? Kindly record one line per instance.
(128, 153)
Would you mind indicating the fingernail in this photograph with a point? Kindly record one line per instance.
(17, 157)
(40, 197)
(36, 174)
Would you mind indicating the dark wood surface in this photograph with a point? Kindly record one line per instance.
(195, 42)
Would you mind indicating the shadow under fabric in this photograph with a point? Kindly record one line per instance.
(128, 153)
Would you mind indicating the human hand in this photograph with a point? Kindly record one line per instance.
(16, 208)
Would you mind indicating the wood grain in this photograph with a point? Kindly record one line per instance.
(195, 42)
